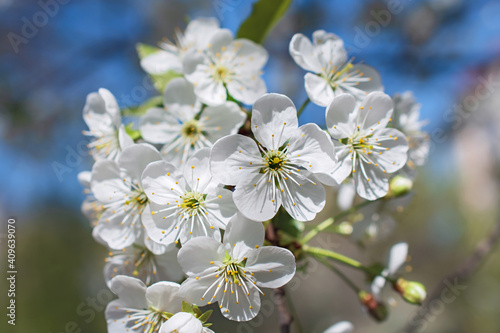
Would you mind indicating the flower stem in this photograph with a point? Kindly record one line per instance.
(341, 275)
(325, 224)
(303, 106)
(323, 253)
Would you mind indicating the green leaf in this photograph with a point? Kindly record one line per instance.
(133, 133)
(156, 101)
(144, 50)
(186, 307)
(159, 81)
(204, 317)
(265, 15)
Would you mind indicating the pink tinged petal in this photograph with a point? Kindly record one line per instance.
(340, 116)
(234, 158)
(243, 309)
(135, 158)
(182, 322)
(107, 182)
(161, 183)
(200, 254)
(197, 170)
(274, 120)
(271, 266)
(159, 126)
(341, 327)
(240, 229)
(395, 153)
(161, 62)
(257, 198)
(397, 257)
(164, 296)
(219, 121)
(124, 139)
(131, 292)
(312, 148)
(318, 89)
(247, 88)
(375, 112)
(371, 184)
(180, 100)
(307, 198)
(302, 51)
(375, 82)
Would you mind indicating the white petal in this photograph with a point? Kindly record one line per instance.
(245, 309)
(318, 89)
(307, 199)
(219, 121)
(159, 126)
(107, 182)
(257, 198)
(346, 194)
(84, 178)
(112, 229)
(135, 158)
(396, 156)
(160, 227)
(182, 322)
(241, 229)
(233, 158)
(247, 88)
(274, 119)
(377, 285)
(374, 188)
(344, 165)
(302, 51)
(160, 183)
(271, 266)
(124, 139)
(375, 111)
(197, 170)
(130, 291)
(220, 207)
(397, 257)
(221, 38)
(193, 290)
(375, 84)
(168, 266)
(198, 254)
(164, 296)
(251, 56)
(311, 148)
(161, 62)
(341, 327)
(200, 30)
(180, 100)
(101, 112)
(341, 116)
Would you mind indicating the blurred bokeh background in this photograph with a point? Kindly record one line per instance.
(446, 51)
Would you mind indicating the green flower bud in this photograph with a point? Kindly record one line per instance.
(400, 186)
(413, 292)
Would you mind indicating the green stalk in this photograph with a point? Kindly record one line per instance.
(325, 224)
(303, 106)
(323, 253)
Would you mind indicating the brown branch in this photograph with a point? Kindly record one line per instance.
(285, 318)
(464, 272)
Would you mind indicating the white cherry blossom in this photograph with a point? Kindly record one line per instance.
(340, 327)
(406, 118)
(102, 115)
(196, 37)
(280, 168)
(183, 126)
(118, 186)
(365, 147)
(185, 203)
(397, 257)
(332, 73)
(233, 273)
(184, 322)
(140, 308)
(227, 66)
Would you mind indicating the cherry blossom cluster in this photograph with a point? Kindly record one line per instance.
(189, 194)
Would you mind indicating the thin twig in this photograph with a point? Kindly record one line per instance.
(461, 274)
(285, 318)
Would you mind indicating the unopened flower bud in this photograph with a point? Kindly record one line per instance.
(413, 292)
(376, 309)
(400, 186)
